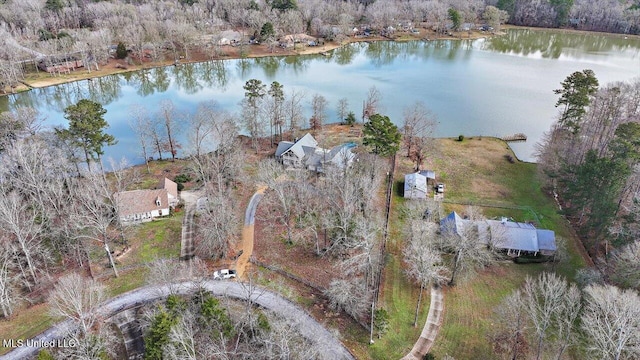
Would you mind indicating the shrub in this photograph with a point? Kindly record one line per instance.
(182, 178)
(350, 119)
(460, 137)
(121, 51)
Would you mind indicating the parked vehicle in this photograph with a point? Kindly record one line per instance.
(224, 274)
(440, 188)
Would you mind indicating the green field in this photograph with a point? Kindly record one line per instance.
(476, 172)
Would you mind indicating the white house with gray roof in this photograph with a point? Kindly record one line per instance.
(515, 238)
(305, 153)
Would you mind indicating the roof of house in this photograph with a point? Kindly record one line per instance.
(282, 147)
(504, 234)
(514, 235)
(297, 147)
(141, 201)
(453, 222)
(415, 181)
(342, 155)
(429, 174)
(546, 239)
(170, 186)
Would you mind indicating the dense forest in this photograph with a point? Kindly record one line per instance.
(51, 31)
(590, 160)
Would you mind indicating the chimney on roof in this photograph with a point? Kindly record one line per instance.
(158, 203)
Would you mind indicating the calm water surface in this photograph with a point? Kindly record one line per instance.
(497, 86)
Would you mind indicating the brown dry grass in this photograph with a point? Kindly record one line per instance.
(467, 168)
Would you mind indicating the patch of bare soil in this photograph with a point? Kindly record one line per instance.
(270, 247)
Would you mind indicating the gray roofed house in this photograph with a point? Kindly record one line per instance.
(429, 174)
(514, 237)
(546, 241)
(293, 155)
(305, 153)
(415, 186)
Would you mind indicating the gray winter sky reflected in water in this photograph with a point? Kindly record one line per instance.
(495, 87)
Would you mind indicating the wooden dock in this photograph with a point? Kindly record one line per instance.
(515, 137)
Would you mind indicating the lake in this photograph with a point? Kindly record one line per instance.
(498, 86)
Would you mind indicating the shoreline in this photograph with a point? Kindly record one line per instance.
(41, 79)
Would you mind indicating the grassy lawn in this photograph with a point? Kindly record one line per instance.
(127, 281)
(25, 324)
(148, 241)
(474, 171)
(155, 239)
(398, 296)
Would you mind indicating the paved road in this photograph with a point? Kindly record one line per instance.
(330, 347)
(431, 326)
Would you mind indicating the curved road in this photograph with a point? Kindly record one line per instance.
(330, 347)
(431, 326)
(246, 243)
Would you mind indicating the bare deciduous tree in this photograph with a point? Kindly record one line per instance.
(95, 216)
(281, 197)
(425, 262)
(170, 117)
(218, 226)
(293, 109)
(19, 220)
(343, 109)
(418, 128)
(508, 336)
(552, 306)
(465, 246)
(318, 108)
(372, 103)
(611, 321)
(348, 295)
(221, 166)
(77, 298)
(141, 124)
(9, 294)
(626, 265)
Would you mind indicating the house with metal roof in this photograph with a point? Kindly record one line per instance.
(415, 186)
(515, 238)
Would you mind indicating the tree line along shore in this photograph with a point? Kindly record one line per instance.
(59, 36)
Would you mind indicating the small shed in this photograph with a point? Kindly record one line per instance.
(415, 186)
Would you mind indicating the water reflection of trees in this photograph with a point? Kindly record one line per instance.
(552, 43)
(297, 64)
(186, 77)
(386, 52)
(344, 55)
(270, 65)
